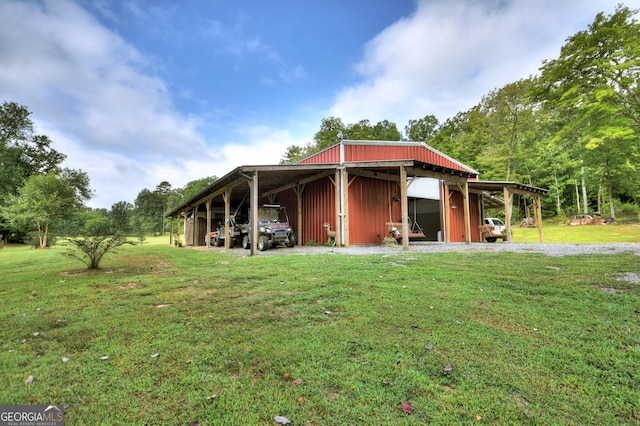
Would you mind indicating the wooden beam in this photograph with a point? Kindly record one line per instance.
(404, 207)
(467, 218)
(508, 206)
(345, 207)
(171, 232)
(226, 197)
(302, 182)
(299, 189)
(253, 207)
(447, 213)
(374, 175)
(538, 219)
(336, 186)
(207, 236)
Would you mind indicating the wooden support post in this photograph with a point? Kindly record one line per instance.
(404, 207)
(345, 207)
(226, 197)
(467, 218)
(196, 226)
(207, 236)
(299, 190)
(447, 213)
(508, 207)
(253, 205)
(171, 232)
(538, 219)
(336, 186)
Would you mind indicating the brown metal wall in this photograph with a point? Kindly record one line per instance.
(371, 206)
(329, 156)
(318, 206)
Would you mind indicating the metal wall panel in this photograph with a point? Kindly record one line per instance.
(329, 156)
(371, 206)
(318, 207)
(457, 231)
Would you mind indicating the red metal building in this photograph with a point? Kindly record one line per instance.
(361, 188)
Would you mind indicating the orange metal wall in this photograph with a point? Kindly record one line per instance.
(375, 152)
(457, 232)
(318, 206)
(328, 156)
(371, 206)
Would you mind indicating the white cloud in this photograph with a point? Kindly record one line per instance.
(448, 54)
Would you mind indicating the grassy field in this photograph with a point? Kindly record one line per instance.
(563, 233)
(202, 336)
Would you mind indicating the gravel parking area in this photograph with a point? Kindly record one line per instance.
(434, 247)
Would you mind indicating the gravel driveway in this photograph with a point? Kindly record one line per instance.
(434, 247)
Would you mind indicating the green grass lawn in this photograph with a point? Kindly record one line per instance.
(563, 233)
(195, 335)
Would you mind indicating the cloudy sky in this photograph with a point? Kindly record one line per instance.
(136, 92)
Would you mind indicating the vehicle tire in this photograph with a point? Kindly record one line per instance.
(216, 240)
(292, 241)
(263, 243)
(491, 239)
(245, 242)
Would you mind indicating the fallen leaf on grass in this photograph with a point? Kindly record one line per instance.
(156, 355)
(281, 420)
(478, 418)
(142, 395)
(449, 367)
(104, 357)
(65, 359)
(189, 361)
(286, 375)
(36, 334)
(214, 396)
(407, 408)
(298, 382)
(526, 413)
(29, 380)
(385, 381)
(429, 347)
(194, 423)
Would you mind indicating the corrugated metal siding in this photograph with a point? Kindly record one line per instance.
(328, 156)
(370, 208)
(318, 206)
(457, 230)
(400, 152)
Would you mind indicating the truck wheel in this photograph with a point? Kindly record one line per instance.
(263, 243)
(245, 242)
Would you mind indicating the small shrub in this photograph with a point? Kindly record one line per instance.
(389, 242)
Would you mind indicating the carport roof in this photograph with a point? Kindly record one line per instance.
(513, 187)
(275, 178)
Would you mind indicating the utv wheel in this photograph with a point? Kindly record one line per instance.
(217, 241)
(491, 240)
(245, 242)
(263, 243)
(292, 241)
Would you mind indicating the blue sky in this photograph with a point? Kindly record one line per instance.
(140, 91)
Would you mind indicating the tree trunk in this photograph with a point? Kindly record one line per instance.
(585, 207)
(611, 207)
(600, 197)
(558, 206)
(577, 199)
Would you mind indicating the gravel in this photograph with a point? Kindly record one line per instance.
(434, 247)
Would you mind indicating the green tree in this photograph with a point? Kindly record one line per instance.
(22, 154)
(421, 130)
(163, 189)
(594, 82)
(120, 216)
(45, 201)
(147, 217)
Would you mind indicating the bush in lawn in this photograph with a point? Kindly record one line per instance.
(94, 247)
(97, 240)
